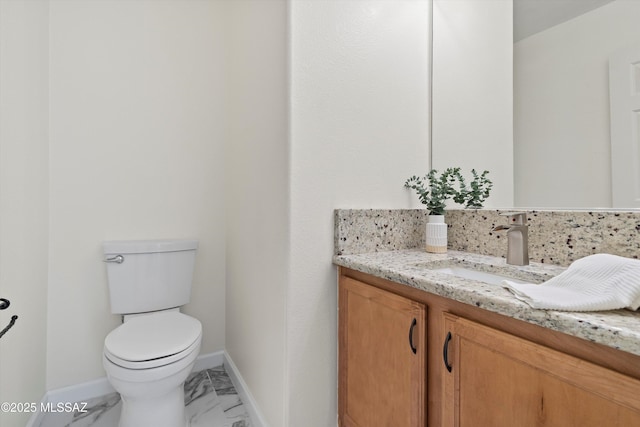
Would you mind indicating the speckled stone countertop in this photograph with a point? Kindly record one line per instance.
(619, 329)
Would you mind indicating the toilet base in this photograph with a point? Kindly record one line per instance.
(156, 411)
(152, 397)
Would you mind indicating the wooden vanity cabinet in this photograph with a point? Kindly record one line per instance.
(504, 372)
(382, 358)
(500, 380)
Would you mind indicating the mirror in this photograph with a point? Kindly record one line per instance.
(562, 125)
(522, 89)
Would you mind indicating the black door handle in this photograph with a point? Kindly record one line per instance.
(413, 325)
(445, 352)
(4, 303)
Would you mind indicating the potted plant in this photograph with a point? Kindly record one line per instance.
(433, 191)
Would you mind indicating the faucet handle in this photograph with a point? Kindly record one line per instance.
(516, 218)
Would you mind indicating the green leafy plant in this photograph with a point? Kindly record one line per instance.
(478, 191)
(433, 190)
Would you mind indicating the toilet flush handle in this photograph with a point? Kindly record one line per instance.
(118, 259)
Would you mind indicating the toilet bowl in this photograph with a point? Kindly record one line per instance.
(147, 360)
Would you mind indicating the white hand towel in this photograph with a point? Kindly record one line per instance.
(593, 283)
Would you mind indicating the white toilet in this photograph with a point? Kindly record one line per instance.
(149, 356)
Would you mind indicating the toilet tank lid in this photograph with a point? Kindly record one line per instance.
(148, 246)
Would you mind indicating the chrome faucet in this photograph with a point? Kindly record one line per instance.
(517, 238)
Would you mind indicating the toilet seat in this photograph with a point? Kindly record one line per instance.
(153, 340)
(153, 363)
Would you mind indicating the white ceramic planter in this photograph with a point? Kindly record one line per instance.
(436, 234)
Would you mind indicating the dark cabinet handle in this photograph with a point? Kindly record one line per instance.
(445, 352)
(4, 303)
(413, 325)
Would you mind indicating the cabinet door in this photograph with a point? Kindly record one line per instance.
(382, 358)
(500, 380)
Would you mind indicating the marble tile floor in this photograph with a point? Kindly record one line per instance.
(211, 401)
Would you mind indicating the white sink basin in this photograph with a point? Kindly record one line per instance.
(481, 276)
(491, 271)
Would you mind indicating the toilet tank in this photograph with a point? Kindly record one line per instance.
(152, 275)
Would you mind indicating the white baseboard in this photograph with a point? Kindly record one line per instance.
(100, 387)
(81, 392)
(257, 420)
(208, 361)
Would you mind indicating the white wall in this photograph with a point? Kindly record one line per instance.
(23, 201)
(257, 202)
(135, 152)
(561, 102)
(472, 90)
(341, 122)
(323, 105)
(359, 127)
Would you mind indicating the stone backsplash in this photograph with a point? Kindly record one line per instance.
(358, 231)
(555, 237)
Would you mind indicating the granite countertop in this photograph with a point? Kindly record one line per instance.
(619, 329)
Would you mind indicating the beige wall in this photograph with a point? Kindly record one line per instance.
(473, 90)
(111, 129)
(333, 112)
(321, 105)
(257, 203)
(359, 127)
(23, 202)
(136, 152)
